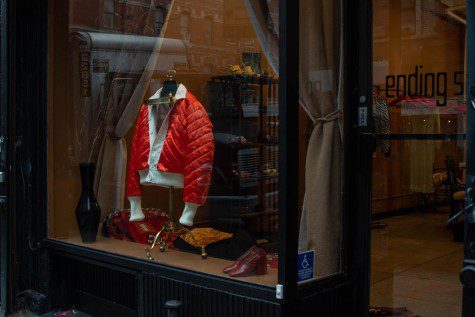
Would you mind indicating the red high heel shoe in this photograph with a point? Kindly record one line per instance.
(256, 264)
(240, 260)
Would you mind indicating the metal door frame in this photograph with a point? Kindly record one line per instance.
(467, 275)
(4, 219)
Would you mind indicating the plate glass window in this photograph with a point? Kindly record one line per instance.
(151, 132)
(109, 14)
(419, 166)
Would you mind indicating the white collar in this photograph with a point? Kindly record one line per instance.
(180, 93)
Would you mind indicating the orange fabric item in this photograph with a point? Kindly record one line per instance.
(205, 236)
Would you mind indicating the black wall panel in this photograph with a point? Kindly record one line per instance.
(102, 289)
(200, 301)
(99, 289)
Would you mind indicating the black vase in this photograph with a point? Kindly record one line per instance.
(88, 212)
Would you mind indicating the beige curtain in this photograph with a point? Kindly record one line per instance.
(320, 89)
(126, 94)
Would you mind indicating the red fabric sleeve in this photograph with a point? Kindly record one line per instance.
(138, 159)
(199, 154)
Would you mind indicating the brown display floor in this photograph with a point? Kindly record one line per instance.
(415, 264)
(184, 260)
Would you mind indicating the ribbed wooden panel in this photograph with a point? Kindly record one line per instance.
(115, 286)
(102, 282)
(200, 301)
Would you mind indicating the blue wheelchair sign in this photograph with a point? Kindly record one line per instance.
(305, 266)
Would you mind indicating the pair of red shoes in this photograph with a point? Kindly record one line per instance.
(254, 261)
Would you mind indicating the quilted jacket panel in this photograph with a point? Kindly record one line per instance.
(188, 149)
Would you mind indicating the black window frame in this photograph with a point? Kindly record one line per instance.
(186, 36)
(5, 243)
(208, 34)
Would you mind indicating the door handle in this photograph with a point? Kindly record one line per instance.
(3, 198)
(469, 210)
(459, 213)
(467, 276)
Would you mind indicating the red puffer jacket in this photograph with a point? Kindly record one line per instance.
(177, 153)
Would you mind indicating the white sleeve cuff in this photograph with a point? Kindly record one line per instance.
(191, 206)
(134, 199)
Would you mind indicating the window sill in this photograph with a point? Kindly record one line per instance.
(174, 258)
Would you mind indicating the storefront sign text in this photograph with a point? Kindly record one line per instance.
(430, 85)
(84, 66)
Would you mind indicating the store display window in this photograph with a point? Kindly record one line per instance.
(163, 134)
(166, 141)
